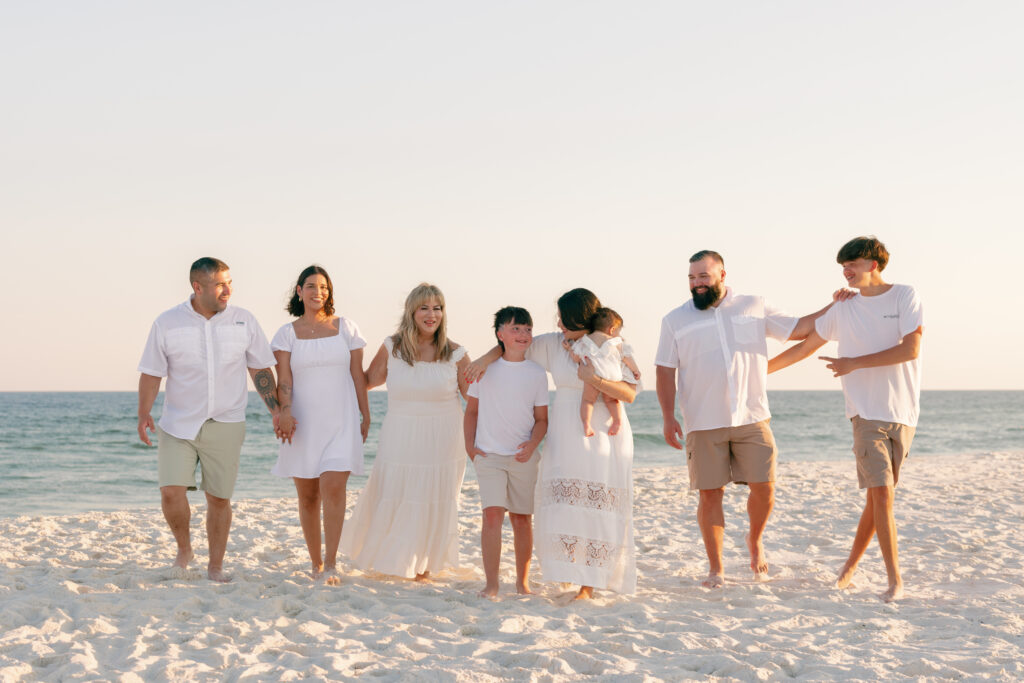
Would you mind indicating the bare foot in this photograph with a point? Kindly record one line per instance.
(587, 430)
(714, 580)
(331, 576)
(184, 557)
(489, 592)
(758, 559)
(423, 577)
(523, 589)
(614, 429)
(894, 593)
(317, 571)
(845, 577)
(586, 593)
(218, 575)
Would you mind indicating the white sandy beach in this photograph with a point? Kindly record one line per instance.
(89, 596)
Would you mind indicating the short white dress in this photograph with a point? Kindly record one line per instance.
(583, 524)
(406, 520)
(606, 358)
(324, 405)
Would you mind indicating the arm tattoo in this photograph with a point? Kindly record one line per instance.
(284, 394)
(264, 381)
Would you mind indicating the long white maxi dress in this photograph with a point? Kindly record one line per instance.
(406, 519)
(323, 403)
(583, 531)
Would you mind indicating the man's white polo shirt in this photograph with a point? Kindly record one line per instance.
(722, 357)
(205, 364)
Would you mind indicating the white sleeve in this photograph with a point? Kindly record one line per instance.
(540, 350)
(827, 325)
(777, 323)
(355, 338)
(284, 339)
(154, 360)
(258, 354)
(667, 355)
(540, 397)
(911, 313)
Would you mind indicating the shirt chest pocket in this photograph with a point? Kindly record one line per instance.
(183, 345)
(747, 329)
(231, 343)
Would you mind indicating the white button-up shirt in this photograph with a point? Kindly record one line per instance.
(721, 354)
(205, 364)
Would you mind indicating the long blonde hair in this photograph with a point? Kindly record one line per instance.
(404, 342)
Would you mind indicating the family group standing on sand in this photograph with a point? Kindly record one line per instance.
(568, 464)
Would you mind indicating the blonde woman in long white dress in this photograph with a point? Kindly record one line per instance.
(405, 522)
(322, 390)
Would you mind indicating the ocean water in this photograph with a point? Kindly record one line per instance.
(63, 453)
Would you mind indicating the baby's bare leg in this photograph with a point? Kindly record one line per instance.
(587, 407)
(615, 410)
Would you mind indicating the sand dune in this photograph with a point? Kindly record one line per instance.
(89, 596)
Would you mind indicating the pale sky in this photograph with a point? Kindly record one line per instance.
(506, 152)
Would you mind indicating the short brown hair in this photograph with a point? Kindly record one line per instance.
(705, 253)
(207, 266)
(869, 247)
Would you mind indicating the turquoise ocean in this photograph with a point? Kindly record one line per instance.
(69, 452)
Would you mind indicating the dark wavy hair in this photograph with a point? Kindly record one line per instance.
(295, 306)
(576, 307)
(870, 248)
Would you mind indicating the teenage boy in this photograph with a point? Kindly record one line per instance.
(506, 418)
(879, 335)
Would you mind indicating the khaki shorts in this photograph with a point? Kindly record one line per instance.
(880, 448)
(507, 483)
(216, 449)
(743, 455)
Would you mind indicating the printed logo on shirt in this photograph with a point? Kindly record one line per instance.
(893, 315)
(240, 322)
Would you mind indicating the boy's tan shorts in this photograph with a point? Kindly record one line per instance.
(507, 483)
(217, 449)
(742, 454)
(881, 448)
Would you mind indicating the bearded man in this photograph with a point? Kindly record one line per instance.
(717, 343)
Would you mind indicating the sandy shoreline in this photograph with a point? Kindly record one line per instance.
(87, 596)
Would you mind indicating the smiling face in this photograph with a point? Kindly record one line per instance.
(427, 317)
(860, 272)
(515, 336)
(212, 292)
(314, 293)
(707, 282)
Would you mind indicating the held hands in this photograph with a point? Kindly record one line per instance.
(364, 427)
(146, 425)
(673, 433)
(839, 366)
(284, 427)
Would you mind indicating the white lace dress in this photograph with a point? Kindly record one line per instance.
(405, 521)
(583, 527)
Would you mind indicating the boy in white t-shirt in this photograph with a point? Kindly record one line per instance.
(506, 418)
(879, 335)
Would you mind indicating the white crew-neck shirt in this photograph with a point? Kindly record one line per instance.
(205, 364)
(508, 393)
(868, 324)
(721, 354)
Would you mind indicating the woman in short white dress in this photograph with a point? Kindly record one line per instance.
(405, 522)
(583, 526)
(325, 414)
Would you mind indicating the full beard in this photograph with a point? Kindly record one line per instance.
(708, 298)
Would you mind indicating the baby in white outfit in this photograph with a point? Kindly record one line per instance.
(611, 358)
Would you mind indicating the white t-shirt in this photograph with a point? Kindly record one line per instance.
(508, 394)
(868, 324)
(205, 364)
(721, 354)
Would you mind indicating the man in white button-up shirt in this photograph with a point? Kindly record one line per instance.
(203, 348)
(718, 345)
